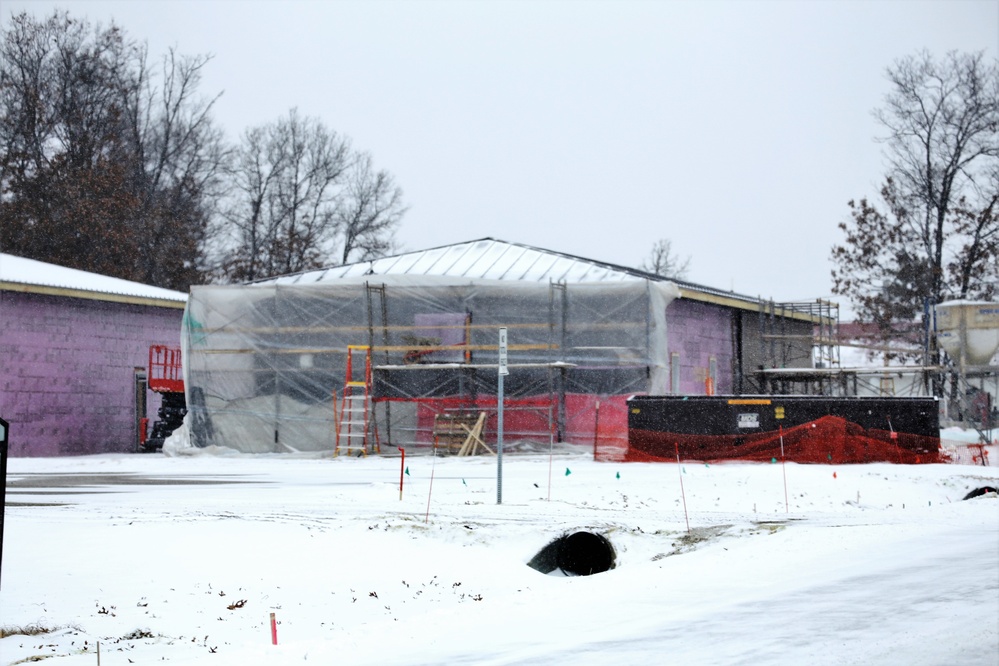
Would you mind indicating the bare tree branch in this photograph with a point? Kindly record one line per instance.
(662, 261)
(369, 213)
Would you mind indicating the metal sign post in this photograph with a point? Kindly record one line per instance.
(4, 427)
(503, 371)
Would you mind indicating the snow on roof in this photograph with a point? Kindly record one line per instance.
(493, 259)
(39, 276)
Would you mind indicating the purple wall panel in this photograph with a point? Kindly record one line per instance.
(67, 371)
(698, 331)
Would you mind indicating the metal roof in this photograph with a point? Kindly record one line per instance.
(31, 276)
(485, 259)
(492, 259)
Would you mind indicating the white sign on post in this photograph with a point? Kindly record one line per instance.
(499, 415)
(502, 352)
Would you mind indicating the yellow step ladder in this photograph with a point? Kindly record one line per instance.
(354, 423)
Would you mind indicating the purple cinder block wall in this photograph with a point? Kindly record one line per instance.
(697, 331)
(67, 371)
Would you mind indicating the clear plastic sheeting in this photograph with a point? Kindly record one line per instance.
(266, 364)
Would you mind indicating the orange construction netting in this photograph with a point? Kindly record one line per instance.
(827, 440)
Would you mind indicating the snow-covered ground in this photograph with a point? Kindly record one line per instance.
(183, 559)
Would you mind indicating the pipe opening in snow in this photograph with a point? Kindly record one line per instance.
(576, 554)
(979, 492)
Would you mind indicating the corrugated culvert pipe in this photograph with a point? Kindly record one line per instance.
(576, 554)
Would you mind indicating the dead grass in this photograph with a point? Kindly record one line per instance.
(36, 629)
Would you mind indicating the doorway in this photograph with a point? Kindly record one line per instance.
(139, 431)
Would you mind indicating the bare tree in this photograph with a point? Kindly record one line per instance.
(182, 155)
(934, 233)
(302, 196)
(288, 181)
(256, 165)
(663, 262)
(368, 213)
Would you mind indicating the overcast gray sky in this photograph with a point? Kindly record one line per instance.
(738, 130)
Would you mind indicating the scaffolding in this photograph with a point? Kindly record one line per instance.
(786, 351)
(798, 336)
(268, 357)
(801, 343)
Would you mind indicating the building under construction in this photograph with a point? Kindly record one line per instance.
(403, 351)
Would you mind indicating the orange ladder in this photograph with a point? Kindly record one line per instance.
(354, 423)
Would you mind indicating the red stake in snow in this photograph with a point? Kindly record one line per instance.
(273, 630)
(680, 472)
(596, 428)
(551, 443)
(433, 466)
(402, 469)
(783, 466)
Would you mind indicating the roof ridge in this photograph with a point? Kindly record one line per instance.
(618, 268)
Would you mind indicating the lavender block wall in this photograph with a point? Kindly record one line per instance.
(698, 331)
(67, 371)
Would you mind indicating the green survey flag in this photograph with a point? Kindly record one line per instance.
(407, 471)
(618, 475)
(567, 471)
(463, 483)
(773, 461)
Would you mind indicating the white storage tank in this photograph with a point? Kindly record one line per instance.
(973, 325)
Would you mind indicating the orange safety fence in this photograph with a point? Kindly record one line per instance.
(533, 417)
(827, 440)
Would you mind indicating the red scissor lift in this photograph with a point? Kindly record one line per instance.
(166, 378)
